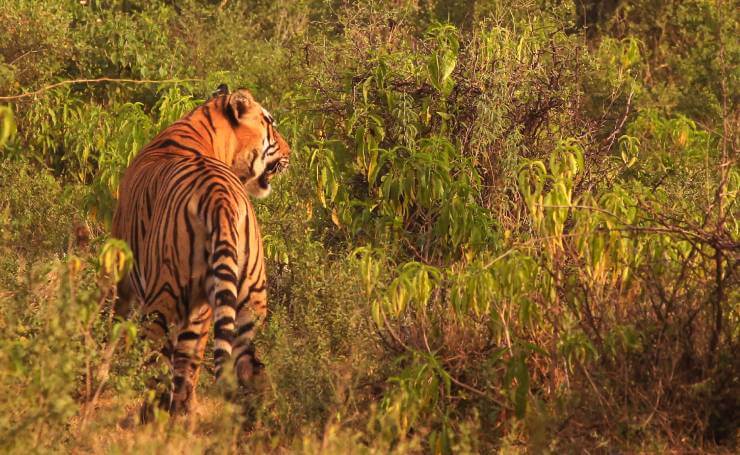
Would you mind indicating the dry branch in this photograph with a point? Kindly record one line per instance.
(94, 81)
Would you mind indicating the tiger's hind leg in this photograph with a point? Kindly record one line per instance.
(188, 358)
(156, 329)
(126, 300)
(251, 312)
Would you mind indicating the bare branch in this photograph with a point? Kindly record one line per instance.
(94, 81)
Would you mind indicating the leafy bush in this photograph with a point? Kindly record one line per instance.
(57, 348)
(506, 225)
(36, 213)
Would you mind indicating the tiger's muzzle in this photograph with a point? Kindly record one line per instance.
(276, 167)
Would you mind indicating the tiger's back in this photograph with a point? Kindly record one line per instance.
(184, 209)
(161, 236)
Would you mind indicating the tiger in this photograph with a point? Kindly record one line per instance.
(184, 209)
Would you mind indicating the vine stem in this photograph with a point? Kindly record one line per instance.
(94, 81)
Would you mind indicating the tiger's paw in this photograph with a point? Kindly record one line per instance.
(183, 396)
(154, 405)
(249, 371)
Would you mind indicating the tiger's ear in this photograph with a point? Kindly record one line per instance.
(222, 89)
(240, 102)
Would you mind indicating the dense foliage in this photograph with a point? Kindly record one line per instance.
(506, 225)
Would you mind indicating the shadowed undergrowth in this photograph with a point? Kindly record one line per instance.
(507, 226)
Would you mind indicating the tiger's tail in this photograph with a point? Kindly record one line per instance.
(221, 283)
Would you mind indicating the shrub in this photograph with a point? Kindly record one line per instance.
(512, 227)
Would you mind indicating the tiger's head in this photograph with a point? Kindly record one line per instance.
(259, 151)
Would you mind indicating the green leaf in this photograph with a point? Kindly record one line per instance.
(522, 389)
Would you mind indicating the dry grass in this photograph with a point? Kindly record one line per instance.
(113, 428)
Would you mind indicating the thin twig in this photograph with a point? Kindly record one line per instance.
(618, 127)
(584, 207)
(23, 55)
(476, 391)
(92, 81)
(393, 334)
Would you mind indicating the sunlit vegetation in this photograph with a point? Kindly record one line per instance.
(507, 225)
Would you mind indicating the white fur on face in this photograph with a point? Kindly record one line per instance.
(249, 165)
(257, 185)
(268, 116)
(254, 189)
